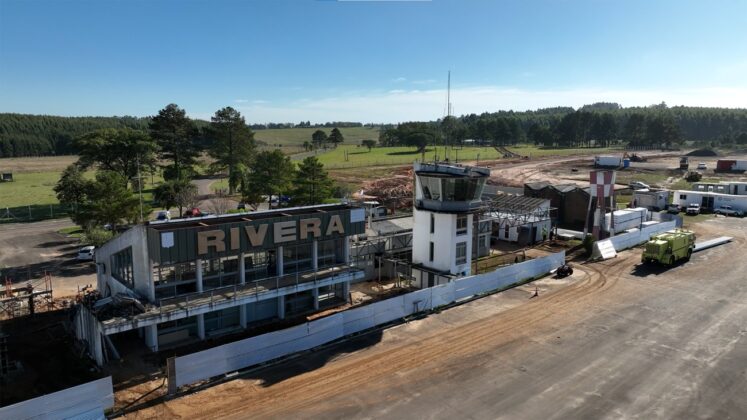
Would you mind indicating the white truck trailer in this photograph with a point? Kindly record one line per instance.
(608, 161)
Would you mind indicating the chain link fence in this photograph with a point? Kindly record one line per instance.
(35, 213)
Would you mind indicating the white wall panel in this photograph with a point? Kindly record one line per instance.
(91, 397)
(251, 351)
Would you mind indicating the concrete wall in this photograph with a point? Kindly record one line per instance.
(444, 239)
(251, 351)
(88, 400)
(142, 270)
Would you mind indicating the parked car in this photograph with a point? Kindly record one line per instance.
(729, 211)
(163, 215)
(673, 208)
(702, 166)
(86, 253)
(693, 209)
(637, 185)
(193, 212)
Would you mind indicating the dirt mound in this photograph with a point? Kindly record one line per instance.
(703, 152)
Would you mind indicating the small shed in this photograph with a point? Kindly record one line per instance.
(6, 176)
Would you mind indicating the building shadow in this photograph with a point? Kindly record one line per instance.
(314, 359)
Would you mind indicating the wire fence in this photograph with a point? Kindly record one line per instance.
(35, 213)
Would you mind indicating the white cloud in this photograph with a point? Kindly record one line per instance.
(423, 82)
(241, 101)
(259, 101)
(407, 105)
(399, 80)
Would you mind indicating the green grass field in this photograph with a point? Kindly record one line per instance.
(349, 156)
(36, 188)
(287, 137)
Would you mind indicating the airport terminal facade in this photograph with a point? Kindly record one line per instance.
(206, 276)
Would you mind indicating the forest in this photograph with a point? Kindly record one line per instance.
(599, 124)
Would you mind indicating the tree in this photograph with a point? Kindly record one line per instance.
(318, 139)
(635, 129)
(118, 150)
(176, 135)
(312, 183)
(270, 175)
(662, 130)
(109, 201)
(307, 146)
(370, 144)
(176, 193)
(335, 137)
(72, 188)
(232, 143)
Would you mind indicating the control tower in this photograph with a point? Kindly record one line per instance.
(446, 198)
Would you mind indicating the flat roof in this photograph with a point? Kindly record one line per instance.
(395, 225)
(213, 220)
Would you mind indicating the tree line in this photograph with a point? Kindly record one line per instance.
(595, 125)
(173, 142)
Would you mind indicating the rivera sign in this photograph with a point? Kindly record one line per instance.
(282, 232)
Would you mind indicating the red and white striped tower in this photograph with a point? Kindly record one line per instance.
(601, 185)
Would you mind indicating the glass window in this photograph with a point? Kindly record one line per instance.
(461, 227)
(461, 253)
(430, 258)
(431, 188)
(433, 223)
(683, 197)
(122, 267)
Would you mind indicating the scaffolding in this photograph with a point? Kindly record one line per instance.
(515, 210)
(25, 300)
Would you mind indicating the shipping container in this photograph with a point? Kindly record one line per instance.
(652, 200)
(725, 165)
(626, 219)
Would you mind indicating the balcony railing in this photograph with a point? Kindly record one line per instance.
(253, 288)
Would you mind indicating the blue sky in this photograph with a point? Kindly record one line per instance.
(372, 61)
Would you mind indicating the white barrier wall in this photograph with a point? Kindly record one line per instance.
(636, 236)
(88, 400)
(255, 350)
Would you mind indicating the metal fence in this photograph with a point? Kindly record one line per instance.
(35, 213)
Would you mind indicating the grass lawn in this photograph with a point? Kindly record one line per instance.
(29, 188)
(36, 188)
(382, 156)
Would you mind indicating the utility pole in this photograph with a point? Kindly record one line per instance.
(139, 187)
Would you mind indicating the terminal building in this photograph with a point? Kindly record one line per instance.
(184, 280)
(193, 278)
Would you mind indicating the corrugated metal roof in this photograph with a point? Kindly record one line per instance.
(516, 203)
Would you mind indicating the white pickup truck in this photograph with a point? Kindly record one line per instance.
(693, 209)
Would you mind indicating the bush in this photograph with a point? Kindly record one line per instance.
(96, 236)
(693, 176)
(588, 244)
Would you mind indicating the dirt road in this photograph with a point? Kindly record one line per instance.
(620, 342)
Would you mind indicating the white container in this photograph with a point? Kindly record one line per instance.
(607, 161)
